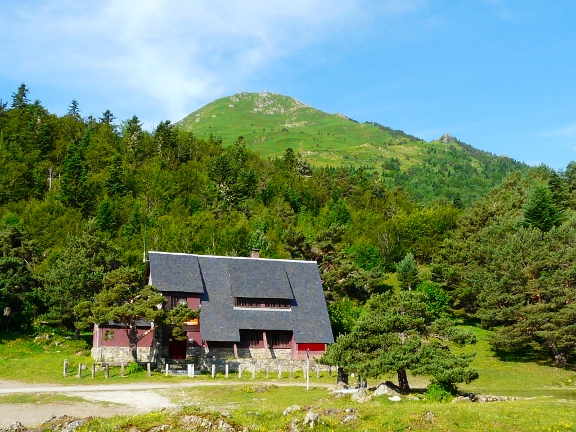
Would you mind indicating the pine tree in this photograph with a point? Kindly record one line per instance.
(541, 212)
(20, 98)
(407, 272)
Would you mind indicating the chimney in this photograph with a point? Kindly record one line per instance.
(255, 253)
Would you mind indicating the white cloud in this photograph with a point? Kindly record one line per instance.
(172, 54)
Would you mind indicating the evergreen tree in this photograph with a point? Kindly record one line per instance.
(398, 333)
(105, 217)
(541, 212)
(20, 98)
(125, 300)
(407, 272)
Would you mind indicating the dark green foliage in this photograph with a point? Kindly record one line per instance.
(396, 334)
(19, 300)
(125, 300)
(541, 211)
(407, 272)
(20, 98)
(436, 297)
(105, 217)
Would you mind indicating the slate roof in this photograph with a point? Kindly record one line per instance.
(219, 279)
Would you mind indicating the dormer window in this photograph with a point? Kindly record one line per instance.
(260, 303)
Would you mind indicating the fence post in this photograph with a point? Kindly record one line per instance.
(266, 371)
(79, 370)
(190, 371)
(279, 371)
(253, 371)
(226, 370)
(213, 370)
(93, 370)
(317, 371)
(122, 369)
(239, 371)
(148, 369)
(107, 368)
(167, 368)
(65, 372)
(291, 370)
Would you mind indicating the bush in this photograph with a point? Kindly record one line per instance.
(133, 367)
(436, 392)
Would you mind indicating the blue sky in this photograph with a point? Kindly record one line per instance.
(497, 74)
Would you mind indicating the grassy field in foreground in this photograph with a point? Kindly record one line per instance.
(260, 408)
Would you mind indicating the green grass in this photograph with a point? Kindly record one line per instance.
(26, 398)
(262, 410)
(324, 139)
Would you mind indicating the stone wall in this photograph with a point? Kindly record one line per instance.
(121, 354)
(248, 358)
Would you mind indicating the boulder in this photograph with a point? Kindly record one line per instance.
(384, 389)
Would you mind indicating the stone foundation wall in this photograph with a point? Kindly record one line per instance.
(248, 358)
(121, 354)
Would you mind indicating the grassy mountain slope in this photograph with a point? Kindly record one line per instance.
(271, 123)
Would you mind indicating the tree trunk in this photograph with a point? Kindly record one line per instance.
(559, 358)
(403, 381)
(76, 333)
(133, 340)
(342, 376)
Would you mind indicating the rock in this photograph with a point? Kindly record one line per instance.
(15, 427)
(161, 428)
(412, 398)
(291, 409)
(73, 425)
(350, 418)
(311, 418)
(461, 399)
(222, 425)
(395, 398)
(191, 421)
(429, 417)
(294, 426)
(361, 396)
(384, 389)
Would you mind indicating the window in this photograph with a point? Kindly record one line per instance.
(251, 338)
(279, 339)
(175, 301)
(277, 303)
(248, 302)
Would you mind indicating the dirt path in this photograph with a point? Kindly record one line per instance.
(101, 400)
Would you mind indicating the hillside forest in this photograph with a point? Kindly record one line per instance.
(81, 197)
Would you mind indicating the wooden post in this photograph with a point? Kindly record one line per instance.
(291, 370)
(190, 371)
(65, 372)
(330, 371)
(107, 369)
(253, 371)
(167, 369)
(148, 369)
(279, 371)
(226, 367)
(93, 370)
(239, 371)
(317, 371)
(213, 370)
(122, 369)
(79, 370)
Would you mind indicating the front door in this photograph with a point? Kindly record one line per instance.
(177, 349)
